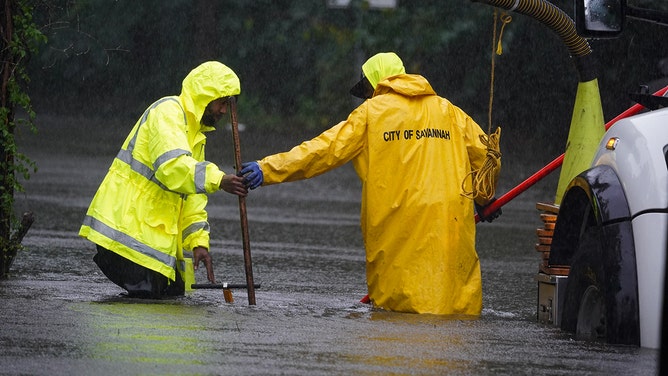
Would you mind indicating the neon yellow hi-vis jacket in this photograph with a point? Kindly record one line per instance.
(412, 150)
(151, 204)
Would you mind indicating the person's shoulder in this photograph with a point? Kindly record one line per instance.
(169, 102)
(164, 111)
(168, 106)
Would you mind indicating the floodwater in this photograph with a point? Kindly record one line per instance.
(61, 316)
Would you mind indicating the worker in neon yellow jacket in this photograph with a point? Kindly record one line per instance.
(412, 150)
(151, 204)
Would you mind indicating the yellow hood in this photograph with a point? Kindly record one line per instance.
(381, 66)
(207, 82)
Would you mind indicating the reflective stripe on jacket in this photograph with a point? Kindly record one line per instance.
(151, 204)
(412, 150)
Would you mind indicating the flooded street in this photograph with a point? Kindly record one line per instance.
(61, 316)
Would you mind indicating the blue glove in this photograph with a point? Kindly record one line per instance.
(492, 216)
(252, 174)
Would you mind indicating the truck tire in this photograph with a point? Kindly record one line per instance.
(594, 237)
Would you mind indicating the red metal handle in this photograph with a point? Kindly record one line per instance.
(543, 172)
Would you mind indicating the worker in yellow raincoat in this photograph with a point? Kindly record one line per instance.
(412, 150)
(151, 204)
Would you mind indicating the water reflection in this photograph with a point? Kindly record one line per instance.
(415, 344)
(158, 333)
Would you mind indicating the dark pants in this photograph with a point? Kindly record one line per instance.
(140, 282)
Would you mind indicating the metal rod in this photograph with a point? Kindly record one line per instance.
(218, 286)
(242, 205)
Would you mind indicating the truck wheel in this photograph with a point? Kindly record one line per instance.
(600, 302)
(591, 324)
(584, 310)
(594, 236)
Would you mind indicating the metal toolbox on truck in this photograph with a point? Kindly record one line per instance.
(550, 295)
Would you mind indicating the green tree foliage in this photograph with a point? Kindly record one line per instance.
(297, 59)
(20, 37)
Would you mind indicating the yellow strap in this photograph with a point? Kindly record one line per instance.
(506, 20)
(484, 179)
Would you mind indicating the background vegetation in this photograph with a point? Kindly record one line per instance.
(297, 60)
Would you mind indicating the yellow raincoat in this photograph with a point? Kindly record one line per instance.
(411, 149)
(151, 204)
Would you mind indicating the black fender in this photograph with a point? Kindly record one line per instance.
(594, 237)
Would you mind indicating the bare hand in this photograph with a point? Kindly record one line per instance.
(202, 254)
(234, 184)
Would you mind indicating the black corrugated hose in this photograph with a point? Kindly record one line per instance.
(555, 18)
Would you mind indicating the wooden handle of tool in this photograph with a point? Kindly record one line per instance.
(248, 264)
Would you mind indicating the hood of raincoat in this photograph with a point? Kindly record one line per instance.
(381, 66)
(209, 81)
(374, 70)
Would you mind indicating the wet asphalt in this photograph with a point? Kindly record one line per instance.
(61, 316)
